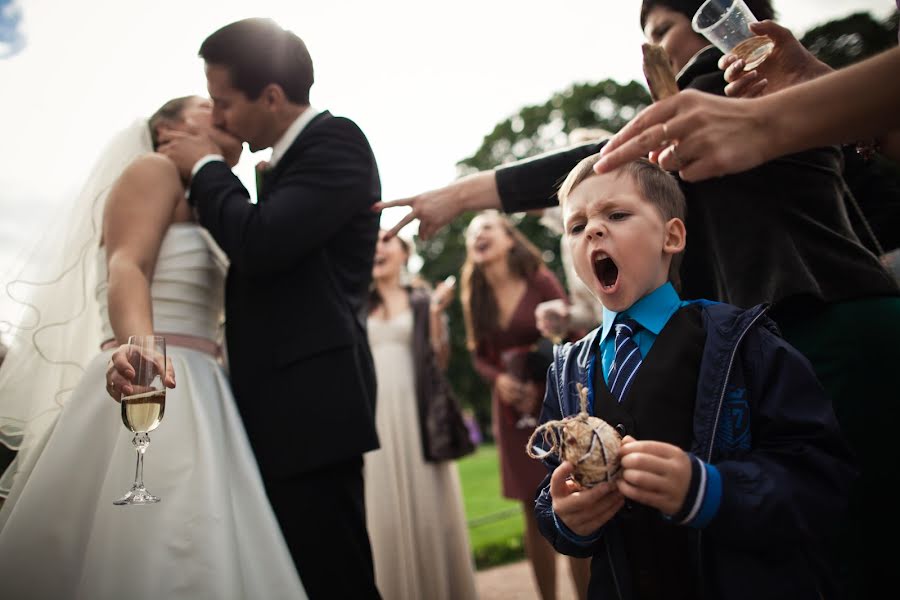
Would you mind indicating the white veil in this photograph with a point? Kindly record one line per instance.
(57, 330)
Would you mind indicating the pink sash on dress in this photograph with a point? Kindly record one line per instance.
(180, 340)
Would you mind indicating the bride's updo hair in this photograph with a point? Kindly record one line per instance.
(170, 113)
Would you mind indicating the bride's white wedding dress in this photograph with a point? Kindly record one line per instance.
(212, 535)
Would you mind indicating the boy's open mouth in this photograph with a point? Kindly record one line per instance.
(606, 271)
(380, 260)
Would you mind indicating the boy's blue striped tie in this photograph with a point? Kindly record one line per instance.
(627, 358)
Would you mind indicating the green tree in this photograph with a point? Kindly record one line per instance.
(848, 40)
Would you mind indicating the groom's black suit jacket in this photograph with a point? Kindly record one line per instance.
(301, 264)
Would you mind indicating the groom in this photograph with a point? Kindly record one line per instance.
(301, 263)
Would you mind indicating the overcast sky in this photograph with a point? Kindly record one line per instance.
(425, 80)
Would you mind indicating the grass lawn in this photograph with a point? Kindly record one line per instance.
(495, 523)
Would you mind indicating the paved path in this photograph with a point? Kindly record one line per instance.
(515, 582)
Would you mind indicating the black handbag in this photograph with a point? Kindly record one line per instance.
(443, 429)
(447, 437)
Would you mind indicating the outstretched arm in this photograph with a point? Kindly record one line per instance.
(718, 136)
(137, 214)
(436, 208)
(523, 185)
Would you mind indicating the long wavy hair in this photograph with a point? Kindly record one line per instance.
(480, 309)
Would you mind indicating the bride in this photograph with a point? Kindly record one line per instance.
(130, 262)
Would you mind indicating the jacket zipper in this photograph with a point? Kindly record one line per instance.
(737, 345)
(712, 438)
(560, 390)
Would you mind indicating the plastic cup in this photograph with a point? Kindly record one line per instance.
(726, 24)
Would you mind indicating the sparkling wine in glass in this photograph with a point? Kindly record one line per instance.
(143, 409)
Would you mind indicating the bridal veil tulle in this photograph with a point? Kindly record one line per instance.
(51, 313)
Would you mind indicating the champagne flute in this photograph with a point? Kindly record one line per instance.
(143, 409)
(515, 364)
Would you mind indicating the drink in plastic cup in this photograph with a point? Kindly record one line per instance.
(726, 23)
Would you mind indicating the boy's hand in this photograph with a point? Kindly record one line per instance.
(583, 511)
(655, 474)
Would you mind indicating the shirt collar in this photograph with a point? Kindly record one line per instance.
(290, 134)
(652, 311)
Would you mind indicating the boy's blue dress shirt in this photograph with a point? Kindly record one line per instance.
(652, 311)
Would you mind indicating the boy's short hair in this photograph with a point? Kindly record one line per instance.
(657, 186)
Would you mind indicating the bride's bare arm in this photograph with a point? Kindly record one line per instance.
(138, 212)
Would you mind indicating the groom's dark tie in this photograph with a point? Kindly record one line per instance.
(627, 359)
(263, 177)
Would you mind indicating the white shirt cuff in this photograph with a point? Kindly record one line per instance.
(203, 161)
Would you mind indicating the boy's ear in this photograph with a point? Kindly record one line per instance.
(676, 236)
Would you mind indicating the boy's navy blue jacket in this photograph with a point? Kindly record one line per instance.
(773, 486)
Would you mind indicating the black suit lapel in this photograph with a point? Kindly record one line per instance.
(297, 146)
(269, 177)
(263, 183)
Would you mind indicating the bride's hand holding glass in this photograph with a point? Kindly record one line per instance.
(120, 372)
(143, 401)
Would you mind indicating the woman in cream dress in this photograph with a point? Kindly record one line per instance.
(414, 510)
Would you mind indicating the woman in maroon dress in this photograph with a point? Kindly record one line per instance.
(503, 280)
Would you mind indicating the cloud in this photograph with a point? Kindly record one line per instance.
(12, 40)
